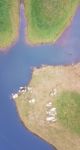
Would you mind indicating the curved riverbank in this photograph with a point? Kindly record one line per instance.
(47, 83)
(34, 35)
(10, 34)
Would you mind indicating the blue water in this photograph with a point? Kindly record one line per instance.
(16, 70)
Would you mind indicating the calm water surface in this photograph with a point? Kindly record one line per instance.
(15, 71)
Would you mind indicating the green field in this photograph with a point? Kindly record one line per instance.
(9, 21)
(48, 18)
(68, 107)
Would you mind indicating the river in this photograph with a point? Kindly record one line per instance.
(16, 70)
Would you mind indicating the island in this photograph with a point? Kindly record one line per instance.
(47, 19)
(9, 22)
(50, 105)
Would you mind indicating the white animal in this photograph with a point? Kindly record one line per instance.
(32, 101)
(51, 119)
(53, 109)
(49, 104)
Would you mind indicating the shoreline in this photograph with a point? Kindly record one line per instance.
(30, 126)
(48, 41)
(6, 47)
(34, 134)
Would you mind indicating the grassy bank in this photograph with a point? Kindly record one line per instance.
(47, 19)
(9, 22)
(53, 87)
(68, 107)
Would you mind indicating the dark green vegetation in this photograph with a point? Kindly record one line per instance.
(68, 108)
(9, 12)
(48, 18)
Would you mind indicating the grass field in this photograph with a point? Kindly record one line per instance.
(47, 19)
(64, 133)
(68, 107)
(9, 22)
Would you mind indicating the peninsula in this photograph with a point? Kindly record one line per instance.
(47, 19)
(50, 105)
(9, 22)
